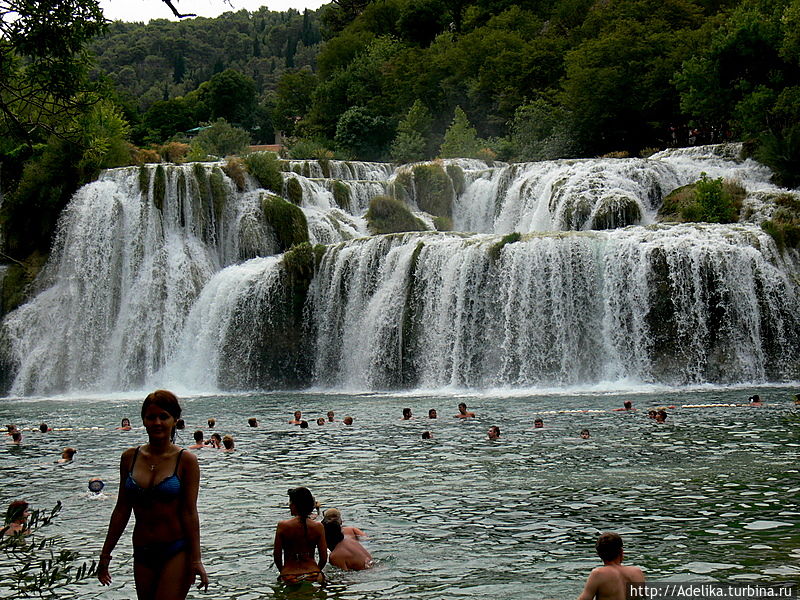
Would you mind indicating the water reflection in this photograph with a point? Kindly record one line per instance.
(711, 494)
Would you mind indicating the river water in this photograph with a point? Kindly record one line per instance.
(713, 494)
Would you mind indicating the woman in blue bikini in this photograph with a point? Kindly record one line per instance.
(159, 483)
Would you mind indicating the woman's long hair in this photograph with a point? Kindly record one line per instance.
(333, 533)
(303, 502)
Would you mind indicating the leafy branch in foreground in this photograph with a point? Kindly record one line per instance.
(35, 565)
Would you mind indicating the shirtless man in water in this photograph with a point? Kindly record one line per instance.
(463, 413)
(610, 581)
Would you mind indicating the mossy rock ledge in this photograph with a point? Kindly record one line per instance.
(616, 211)
(389, 215)
(287, 221)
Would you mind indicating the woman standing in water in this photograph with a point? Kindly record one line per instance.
(297, 538)
(159, 483)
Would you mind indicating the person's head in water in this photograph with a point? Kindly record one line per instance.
(125, 423)
(252, 421)
(330, 416)
(493, 432)
(166, 401)
(301, 501)
(43, 427)
(198, 437)
(755, 399)
(96, 485)
(348, 420)
(426, 435)
(651, 414)
(297, 415)
(609, 547)
(211, 423)
(17, 512)
(68, 454)
(432, 414)
(462, 408)
(406, 414)
(333, 533)
(216, 440)
(627, 405)
(227, 441)
(16, 437)
(303, 424)
(538, 423)
(321, 421)
(661, 416)
(585, 434)
(180, 424)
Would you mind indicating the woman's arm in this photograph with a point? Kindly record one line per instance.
(119, 520)
(322, 547)
(190, 486)
(277, 550)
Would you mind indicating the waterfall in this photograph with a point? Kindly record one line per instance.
(170, 275)
(679, 304)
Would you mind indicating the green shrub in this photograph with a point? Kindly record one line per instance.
(235, 169)
(781, 152)
(309, 148)
(266, 169)
(221, 139)
(443, 223)
(174, 152)
(785, 224)
(219, 193)
(496, 249)
(712, 203)
(294, 190)
(433, 190)
(287, 221)
(388, 215)
(341, 195)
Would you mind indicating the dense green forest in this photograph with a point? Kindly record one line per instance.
(398, 80)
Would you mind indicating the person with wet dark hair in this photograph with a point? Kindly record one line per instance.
(321, 421)
(159, 483)
(611, 581)
(252, 421)
(303, 424)
(407, 414)
(432, 414)
(16, 519)
(180, 424)
(16, 437)
(212, 422)
(754, 400)
(426, 435)
(585, 434)
(215, 441)
(651, 414)
(346, 552)
(44, 428)
(493, 432)
(199, 441)
(228, 444)
(67, 455)
(463, 413)
(125, 425)
(661, 416)
(538, 423)
(348, 420)
(298, 418)
(298, 539)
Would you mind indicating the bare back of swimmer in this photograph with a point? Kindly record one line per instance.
(297, 540)
(347, 553)
(610, 582)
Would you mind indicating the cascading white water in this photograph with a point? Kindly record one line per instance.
(680, 304)
(151, 287)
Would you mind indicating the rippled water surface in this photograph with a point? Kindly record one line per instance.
(714, 494)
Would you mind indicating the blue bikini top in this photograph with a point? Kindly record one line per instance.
(166, 490)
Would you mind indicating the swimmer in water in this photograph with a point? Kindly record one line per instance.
(426, 435)
(348, 420)
(610, 582)
(10, 429)
(228, 443)
(333, 514)
(44, 428)
(626, 406)
(330, 417)
(125, 425)
(538, 423)
(432, 414)
(215, 441)
(212, 422)
(96, 485)
(297, 418)
(755, 400)
(16, 437)
(67, 455)
(585, 434)
(346, 552)
(651, 414)
(463, 413)
(303, 424)
(199, 442)
(159, 483)
(180, 424)
(321, 421)
(493, 432)
(252, 421)
(407, 414)
(16, 521)
(296, 541)
(661, 416)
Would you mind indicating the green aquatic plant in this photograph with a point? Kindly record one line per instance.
(287, 221)
(433, 190)
(707, 200)
(266, 169)
(219, 192)
(341, 195)
(784, 227)
(294, 191)
(144, 179)
(159, 187)
(389, 215)
(38, 565)
(443, 223)
(497, 248)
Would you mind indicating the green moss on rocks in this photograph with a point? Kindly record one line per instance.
(201, 177)
(144, 179)
(235, 168)
(287, 221)
(294, 191)
(433, 190)
(265, 167)
(707, 200)
(389, 215)
(456, 175)
(496, 249)
(784, 227)
(219, 192)
(400, 186)
(159, 187)
(616, 211)
(341, 195)
(443, 223)
(15, 285)
(325, 165)
(575, 213)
